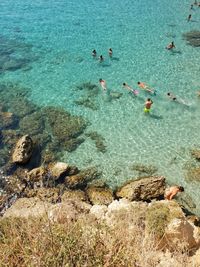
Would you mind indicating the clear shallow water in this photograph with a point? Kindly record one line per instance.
(63, 34)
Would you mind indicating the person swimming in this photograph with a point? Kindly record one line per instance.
(171, 96)
(171, 46)
(103, 84)
(189, 17)
(126, 86)
(110, 52)
(101, 59)
(148, 105)
(94, 53)
(144, 86)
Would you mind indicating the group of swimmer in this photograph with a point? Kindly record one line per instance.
(147, 88)
(101, 58)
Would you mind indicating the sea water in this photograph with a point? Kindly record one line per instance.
(63, 34)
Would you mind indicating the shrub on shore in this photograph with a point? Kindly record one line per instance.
(86, 242)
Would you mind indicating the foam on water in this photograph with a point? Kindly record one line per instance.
(63, 34)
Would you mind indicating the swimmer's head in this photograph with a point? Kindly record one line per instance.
(139, 82)
(181, 188)
(100, 80)
(168, 94)
(174, 98)
(124, 84)
(149, 99)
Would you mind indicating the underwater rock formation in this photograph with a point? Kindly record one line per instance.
(99, 141)
(144, 169)
(65, 127)
(192, 38)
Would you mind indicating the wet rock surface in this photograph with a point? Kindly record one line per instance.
(23, 150)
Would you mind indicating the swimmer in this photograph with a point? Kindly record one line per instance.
(103, 84)
(94, 53)
(171, 96)
(178, 100)
(148, 105)
(170, 46)
(126, 86)
(110, 52)
(101, 59)
(144, 86)
(191, 7)
(189, 18)
(172, 191)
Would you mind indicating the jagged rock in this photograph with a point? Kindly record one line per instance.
(99, 195)
(143, 189)
(51, 195)
(36, 175)
(58, 169)
(81, 179)
(74, 194)
(23, 150)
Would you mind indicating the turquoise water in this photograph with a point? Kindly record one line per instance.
(62, 35)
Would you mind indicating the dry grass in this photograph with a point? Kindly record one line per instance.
(85, 243)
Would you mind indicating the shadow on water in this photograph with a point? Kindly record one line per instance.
(171, 25)
(174, 52)
(104, 65)
(114, 59)
(156, 117)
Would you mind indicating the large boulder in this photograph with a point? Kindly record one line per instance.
(23, 150)
(99, 195)
(143, 189)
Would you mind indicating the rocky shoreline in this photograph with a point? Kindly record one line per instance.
(64, 191)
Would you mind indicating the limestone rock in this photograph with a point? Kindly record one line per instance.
(23, 150)
(99, 195)
(58, 169)
(143, 189)
(74, 194)
(36, 175)
(99, 211)
(196, 154)
(50, 195)
(183, 231)
(27, 207)
(68, 211)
